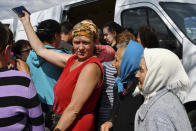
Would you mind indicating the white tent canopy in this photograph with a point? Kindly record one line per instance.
(31, 5)
(36, 17)
(40, 10)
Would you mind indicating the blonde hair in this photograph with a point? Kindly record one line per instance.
(124, 38)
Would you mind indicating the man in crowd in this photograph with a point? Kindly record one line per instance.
(110, 32)
(66, 43)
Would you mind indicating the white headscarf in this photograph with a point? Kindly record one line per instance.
(164, 70)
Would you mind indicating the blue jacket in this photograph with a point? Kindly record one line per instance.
(163, 112)
(44, 75)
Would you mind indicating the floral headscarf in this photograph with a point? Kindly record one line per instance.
(86, 28)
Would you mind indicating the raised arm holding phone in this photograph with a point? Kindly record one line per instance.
(53, 57)
(79, 86)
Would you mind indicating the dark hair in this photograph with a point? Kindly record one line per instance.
(11, 37)
(4, 36)
(113, 27)
(19, 46)
(66, 27)
(148, 37)
(101, 40)
(47, 29)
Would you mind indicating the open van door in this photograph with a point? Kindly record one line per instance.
(100, 11)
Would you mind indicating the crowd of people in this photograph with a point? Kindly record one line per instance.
(64, 78)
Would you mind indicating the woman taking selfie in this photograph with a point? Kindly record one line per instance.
(79, 86)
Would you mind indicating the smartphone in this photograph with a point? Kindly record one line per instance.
(18, 11)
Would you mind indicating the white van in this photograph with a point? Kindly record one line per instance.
(175, 23)
(100, 11)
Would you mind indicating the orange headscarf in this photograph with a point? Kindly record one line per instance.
(86, 28)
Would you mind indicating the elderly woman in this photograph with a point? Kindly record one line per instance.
(126, 62)
(164, 84)
(79, 85)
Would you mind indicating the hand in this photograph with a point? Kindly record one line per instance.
(26, 18)
(59, 127)
(10, 66)
(22, 66)
(56, 129)
(106, 126)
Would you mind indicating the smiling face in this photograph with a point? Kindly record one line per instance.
(118, 59)
(83, 47)
(141, 74)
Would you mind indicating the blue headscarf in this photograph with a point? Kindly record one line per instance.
(129, 64)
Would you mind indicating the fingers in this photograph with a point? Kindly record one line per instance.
(26, 14)
(19, 64)
(10, 66)
(104, 127)
(26, 18)
(19, 61)
(22, 66)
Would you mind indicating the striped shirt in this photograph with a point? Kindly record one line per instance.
(19, 103)
(107, 97)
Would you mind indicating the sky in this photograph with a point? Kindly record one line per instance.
(31, 5)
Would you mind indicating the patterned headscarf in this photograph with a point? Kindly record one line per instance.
(86, 28)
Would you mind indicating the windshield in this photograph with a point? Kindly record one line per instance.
(184, 15)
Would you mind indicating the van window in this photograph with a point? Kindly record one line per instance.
(134, 18)
(184, 15)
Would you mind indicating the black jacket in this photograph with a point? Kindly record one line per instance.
(125, 107)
